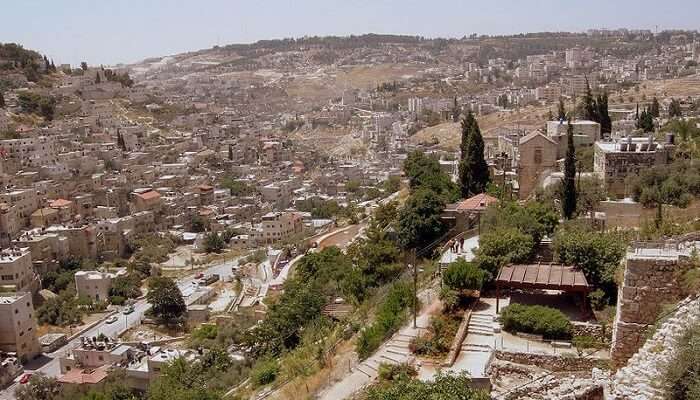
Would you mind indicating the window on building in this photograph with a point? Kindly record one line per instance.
(538, 156)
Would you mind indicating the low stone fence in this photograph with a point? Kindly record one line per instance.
(458, 340)
(557, 386)
(554, 363)
(596, 331)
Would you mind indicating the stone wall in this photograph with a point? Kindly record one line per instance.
(553, 362)
(643, 376)
(587, 329)
(550, 386)
(651, 281)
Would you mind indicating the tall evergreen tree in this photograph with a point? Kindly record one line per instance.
(97, 79)
(674, 109)
(655, 109)
(473, 170)
(467, 123)
(603, 114)
(230, 152)
(568, 201)
(590, 111)
(645, 121)
(2, 100)
(456, 111)
(561, 113)
(120, 140)
(47, 65)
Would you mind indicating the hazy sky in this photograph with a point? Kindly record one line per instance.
(112, 31)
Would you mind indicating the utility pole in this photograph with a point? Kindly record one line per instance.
(412, 263)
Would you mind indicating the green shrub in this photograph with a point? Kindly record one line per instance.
(437, 341)
(683, 371)
(597, 299)
(394, 372)
(584, 342)
(540, 320)
(207, 331)
(265, 372)
(450, 298)
(502, 246)
(462, 275)
(390, 315)
(117, 300)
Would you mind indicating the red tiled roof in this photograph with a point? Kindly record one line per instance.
(151, 194)
(476, 203)
(542, 276)
(58, 203)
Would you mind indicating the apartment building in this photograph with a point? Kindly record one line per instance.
(18, 329)
(576, 85)
(276, 226)
(615, 161)
(46, 249)
(82, 239)
(17, 272)
(26, 202)
(30, 152)
(585, 134)
(549, 93)
(10, 223)
(90, 363)
(145, 200)
(278, 194)
(94, 285)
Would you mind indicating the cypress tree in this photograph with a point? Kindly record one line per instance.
(2, 100)
(473, 170)
(120, 140)
(655, 109)
(674, 109)
(562, 110)
(568, 201)
(466, 128)
(230, 152)
(97, 79)
(590, 111)
(603, 115)
(455, 111)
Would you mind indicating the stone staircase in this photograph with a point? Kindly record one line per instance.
(396, 351)
(250, 296)
(481, 324)
(478, 346)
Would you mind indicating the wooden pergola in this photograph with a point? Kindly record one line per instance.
(564, 278)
